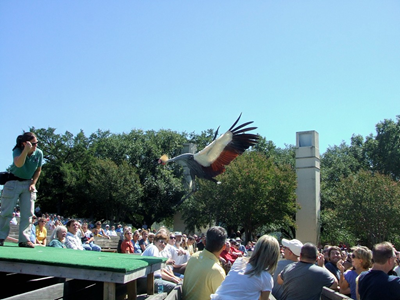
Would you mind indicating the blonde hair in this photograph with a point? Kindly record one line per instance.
(364, 254)
(265, 256)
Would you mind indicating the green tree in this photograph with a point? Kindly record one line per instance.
(253, 192)
(383, 150)
(110, 175)
(114, 190)
(368, 207)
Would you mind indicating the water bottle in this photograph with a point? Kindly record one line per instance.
(160, 287)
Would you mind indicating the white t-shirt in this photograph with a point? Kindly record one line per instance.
(152, 250)
(238, 285)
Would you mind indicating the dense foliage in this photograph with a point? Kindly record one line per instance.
(254, 192)
(360, 188)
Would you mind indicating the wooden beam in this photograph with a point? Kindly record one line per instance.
(109, 291)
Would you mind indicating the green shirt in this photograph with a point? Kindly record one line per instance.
(32, 163)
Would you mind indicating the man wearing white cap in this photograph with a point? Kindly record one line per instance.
(291, 252)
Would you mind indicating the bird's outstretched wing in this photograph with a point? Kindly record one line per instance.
(226, 148)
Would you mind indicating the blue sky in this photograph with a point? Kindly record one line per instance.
(329, 66)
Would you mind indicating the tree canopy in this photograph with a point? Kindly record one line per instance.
(359, 187)
(254, 192)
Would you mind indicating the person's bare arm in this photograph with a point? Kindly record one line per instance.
(334, 285)
(32, 187)
(264, 295)
(280, 280)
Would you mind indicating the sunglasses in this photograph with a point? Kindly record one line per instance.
(172, 238)
(353, 256)
(34, 144)
(162, 242)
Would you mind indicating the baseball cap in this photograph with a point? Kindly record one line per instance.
(294, 245)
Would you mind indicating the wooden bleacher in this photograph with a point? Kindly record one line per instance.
(328, 294)
(107, 245)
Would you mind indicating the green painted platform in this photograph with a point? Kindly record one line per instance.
(108, 268)
(115, 262)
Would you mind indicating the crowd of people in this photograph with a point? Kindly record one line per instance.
(213, 266)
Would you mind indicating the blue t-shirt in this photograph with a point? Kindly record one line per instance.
(30, 166)
(136, 247)
(350, 277)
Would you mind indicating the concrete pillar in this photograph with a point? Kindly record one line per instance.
(308, 186)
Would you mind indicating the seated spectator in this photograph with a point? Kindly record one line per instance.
(88, 238)
(122, 238)
(325, 251)
(163, 276)
(126, 245)
(112, 231)
(14, 219)
(346, 259)
(250, 246)
(376, 283)
(151, 238)
(361, 261)
(397, 267)
(119, 229)
(51, 224)
(135, 242)
(72, 241)
(107, 230)
(41, 232)
(204, 273)
(143, 242)
(305, 279)
(177, 254)
(334, 256)
(241, 247)
(291, 254)
(57, 222)
(98, 231)
(184, 244)
(228, 255)
(252, 278)
(58, 237)
(200, 245)
(190, 242)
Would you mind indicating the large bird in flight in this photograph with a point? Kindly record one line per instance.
(211, 161)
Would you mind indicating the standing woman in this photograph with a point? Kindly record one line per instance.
(25, 172)
(251, 278)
